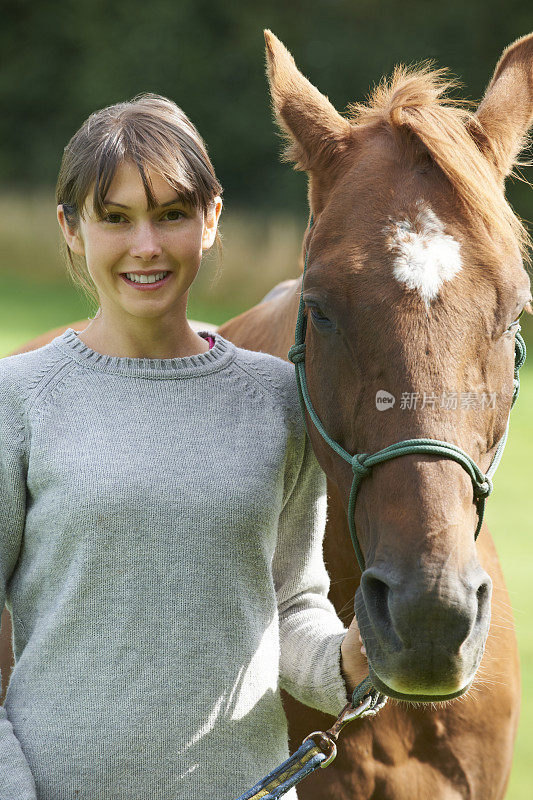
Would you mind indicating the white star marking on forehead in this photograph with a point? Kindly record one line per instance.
(424, 255)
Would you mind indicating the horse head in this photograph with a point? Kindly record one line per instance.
(413, 285)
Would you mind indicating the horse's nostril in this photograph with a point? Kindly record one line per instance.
(483, 591)
(378, 592)
(376, 596)
(483, 596)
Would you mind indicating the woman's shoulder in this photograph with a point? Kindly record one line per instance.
(274, 376)
(20, 373)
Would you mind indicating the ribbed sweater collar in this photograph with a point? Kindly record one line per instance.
(218, 357)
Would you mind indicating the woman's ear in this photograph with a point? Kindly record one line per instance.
(72, 236)
(211, 223)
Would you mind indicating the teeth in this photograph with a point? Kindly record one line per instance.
(146, 278)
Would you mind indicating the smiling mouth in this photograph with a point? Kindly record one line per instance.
(146, 281)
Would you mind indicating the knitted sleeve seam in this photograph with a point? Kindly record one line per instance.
(26, 395)
(45, 387)
(268, 387)
(22, 434)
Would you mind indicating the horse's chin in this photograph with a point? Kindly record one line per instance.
(414, 696)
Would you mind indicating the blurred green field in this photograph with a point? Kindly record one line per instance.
(259, 252)
(509, 519)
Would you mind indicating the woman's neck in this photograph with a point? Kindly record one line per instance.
(143, 339)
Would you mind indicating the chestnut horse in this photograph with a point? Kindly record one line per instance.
(413, 285)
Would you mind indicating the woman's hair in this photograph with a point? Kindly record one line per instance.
(153, 133)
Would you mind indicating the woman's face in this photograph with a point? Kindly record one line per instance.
(135, 243)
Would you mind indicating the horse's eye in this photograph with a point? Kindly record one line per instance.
(319, 317)
(527, 307)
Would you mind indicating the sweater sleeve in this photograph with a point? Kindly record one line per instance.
(310, 630)
(16, 780)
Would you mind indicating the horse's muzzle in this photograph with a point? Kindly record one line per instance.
(424, 639)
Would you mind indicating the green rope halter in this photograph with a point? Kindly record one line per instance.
(362, 463)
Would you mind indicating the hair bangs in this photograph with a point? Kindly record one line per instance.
(151, 154)
(110, 157)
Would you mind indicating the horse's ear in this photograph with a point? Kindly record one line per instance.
(316, 131)
(506, 112)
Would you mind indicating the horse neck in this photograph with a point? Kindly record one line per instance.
(269, 326)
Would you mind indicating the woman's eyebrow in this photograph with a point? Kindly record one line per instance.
(177, 199)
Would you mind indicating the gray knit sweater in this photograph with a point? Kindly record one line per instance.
(161, 525)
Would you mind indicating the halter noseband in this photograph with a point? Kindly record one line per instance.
(362, 463)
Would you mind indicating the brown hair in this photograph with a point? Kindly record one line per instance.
(153, 133)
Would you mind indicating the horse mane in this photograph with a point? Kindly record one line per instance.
(415, 101)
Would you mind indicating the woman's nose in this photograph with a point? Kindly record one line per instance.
(145, 242)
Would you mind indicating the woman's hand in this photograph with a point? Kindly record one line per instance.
(354, 665)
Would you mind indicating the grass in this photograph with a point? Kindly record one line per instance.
(260, 252)
(509, 518)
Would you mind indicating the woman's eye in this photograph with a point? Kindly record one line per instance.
(114, 219)
(173, 214)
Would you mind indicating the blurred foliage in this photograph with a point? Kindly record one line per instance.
(61, 61)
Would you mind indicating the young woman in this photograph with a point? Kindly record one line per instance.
(162, 511)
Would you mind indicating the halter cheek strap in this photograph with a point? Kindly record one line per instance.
(363, 463)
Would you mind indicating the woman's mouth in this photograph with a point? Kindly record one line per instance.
(145, 282)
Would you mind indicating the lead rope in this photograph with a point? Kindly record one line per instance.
(319, 748)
